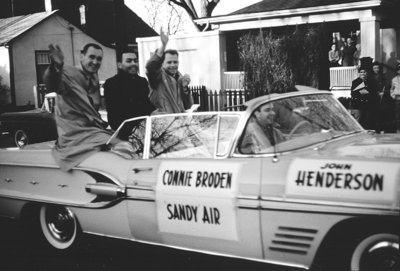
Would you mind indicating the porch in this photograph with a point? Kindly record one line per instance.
(340, 80)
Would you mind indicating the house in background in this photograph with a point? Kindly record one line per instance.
(375, 24)
(107, 22)
(24, 51)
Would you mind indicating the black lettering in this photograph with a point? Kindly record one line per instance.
(176, 175)
(229, 181)
(348, 177)
(198, 179)
(378, 181)
(189, 178)
(356, 178)
(211, 179)
(326, 165)
(319, 182)
(169, 211)
(205, 216)
(182, 214)
(338, 179)
(347, 166)
(329, 179)
(182, 178)
(310, 176)
(367, 182)
(217, 181)
(176, 212)
(165, 172)
(205, 177)
(300, 177)
(216, 216)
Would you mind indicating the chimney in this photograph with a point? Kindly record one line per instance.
(47, 5)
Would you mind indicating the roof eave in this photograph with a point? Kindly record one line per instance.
(288, 12)
(7, 43)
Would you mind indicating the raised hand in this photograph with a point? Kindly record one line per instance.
(164, 37)
(56, 55)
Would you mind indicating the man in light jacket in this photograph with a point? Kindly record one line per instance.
(169, 88)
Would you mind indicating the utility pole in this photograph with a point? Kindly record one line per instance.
(120, 26)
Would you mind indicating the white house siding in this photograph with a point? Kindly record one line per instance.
(201, 55)
(54, 30)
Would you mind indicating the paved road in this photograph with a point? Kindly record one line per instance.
(101, 253)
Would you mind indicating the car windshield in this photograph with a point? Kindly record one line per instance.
(295, 122)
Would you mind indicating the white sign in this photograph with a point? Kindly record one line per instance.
(211, 179)
(207, 217)
(198, 199)
(353, 180)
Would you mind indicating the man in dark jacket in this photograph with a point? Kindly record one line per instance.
(126, 94)
(364, 99)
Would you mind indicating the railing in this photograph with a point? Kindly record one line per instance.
(233, 80)
(223, 100)
(340, 80)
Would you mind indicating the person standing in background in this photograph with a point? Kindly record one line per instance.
(334, 56)
(395, 94)
(364, 99)
(357, 55)
(385, 110)
(347, 53)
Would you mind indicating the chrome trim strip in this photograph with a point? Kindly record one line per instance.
(112, 178)
(328, 203)
(95, 205)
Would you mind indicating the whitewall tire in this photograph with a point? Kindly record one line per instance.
(59, 226)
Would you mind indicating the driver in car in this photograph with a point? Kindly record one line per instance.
(261, 132)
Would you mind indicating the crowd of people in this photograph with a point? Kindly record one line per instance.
(344, 53)
(81, 130)
(373, 95)
(374, 99)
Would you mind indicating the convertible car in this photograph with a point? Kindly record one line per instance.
(308, 188)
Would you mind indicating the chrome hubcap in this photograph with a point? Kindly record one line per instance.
(21, 138)
(61, 223)
(383, 256)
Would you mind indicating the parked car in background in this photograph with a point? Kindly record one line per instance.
(32, 126)
(312, 189)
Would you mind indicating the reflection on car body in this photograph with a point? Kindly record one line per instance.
(327, 185)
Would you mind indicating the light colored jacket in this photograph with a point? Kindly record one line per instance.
(166, 91)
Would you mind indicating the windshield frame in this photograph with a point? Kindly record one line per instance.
(254, 104)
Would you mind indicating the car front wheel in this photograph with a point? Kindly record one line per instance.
(59, 226)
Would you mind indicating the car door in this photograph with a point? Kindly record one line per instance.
(182, 196)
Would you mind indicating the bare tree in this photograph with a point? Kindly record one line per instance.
(173, 14)
(162, 13)
(206, 9)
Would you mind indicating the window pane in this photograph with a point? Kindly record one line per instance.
(42, 58)
(183, 136)
(227, 128)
